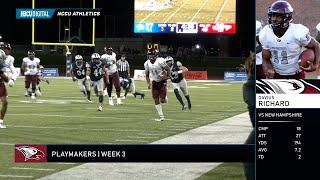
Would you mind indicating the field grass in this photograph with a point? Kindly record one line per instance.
(225, 171)
(62, 116)
(190, 11)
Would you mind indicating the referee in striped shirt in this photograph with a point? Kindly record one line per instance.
(123, 67)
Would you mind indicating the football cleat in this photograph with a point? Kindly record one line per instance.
(119, 101)
(2, 126)
(26, 94)
(105, 92)
(161, 118)
(100, 108)
(123, 97)
(89, 101)
(111, 102)
(184, 107)
(33, 96)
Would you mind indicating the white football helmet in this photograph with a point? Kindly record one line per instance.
(78, 57)
(79, 60)
(95, 57)
(169, 61)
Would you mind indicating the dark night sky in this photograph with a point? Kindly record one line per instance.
(19, 31)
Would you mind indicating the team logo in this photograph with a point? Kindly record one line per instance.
(26, 153)
(285, 86)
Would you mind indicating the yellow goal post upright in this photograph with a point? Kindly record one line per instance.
(65, 44)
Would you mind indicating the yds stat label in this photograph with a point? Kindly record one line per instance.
(287, 118)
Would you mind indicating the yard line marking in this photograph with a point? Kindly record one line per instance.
(35, 169)
(15, 176)
(56, 115)
(141, 137)
(7, 144)
(147, 16)
(128, 140)
(65, 163)
(222, 7)
(149, 134)
(204, 3)
(82, 129)
(176, 12)
(21, 106)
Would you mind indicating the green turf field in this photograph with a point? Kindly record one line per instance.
(189, 11)
(226, 171)
(62, 116)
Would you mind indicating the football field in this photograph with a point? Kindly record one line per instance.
(62, 116)
(202, 11)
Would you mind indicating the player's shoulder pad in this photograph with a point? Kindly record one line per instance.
(300, 29)
(301, 33)
(10, 57)
(263, 33)
(36, 59)
(88, 64)
(25, 59)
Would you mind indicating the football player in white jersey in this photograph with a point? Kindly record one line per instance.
(30, 66)
(283, 41)
(8, 63)
(111, 63)
(3, 90)
(259, 68)
(154, 69)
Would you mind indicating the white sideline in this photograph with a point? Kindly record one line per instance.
(233, 130)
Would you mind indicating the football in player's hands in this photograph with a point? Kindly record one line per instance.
(305, 56)
(73, 79)
(11, 82)
(164, 74)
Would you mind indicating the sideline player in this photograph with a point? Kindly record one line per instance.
(8, 63)
(78, 73)
(95, 71)
(178, 81)
(109, 59)
(259, 68)
(154, 69)
(30, 66)
(282, 43)
(3, 90)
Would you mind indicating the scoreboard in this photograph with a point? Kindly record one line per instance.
(187, 28)
(182, 16)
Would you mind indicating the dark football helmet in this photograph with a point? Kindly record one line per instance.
(280, 15)
(31, 54)
(152, 55)
(108, 50)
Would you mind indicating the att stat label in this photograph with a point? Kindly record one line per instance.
(287, 127)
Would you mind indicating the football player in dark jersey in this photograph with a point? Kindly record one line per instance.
(178, 81)
(129, 86)
(96, 70)
(78, 73)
